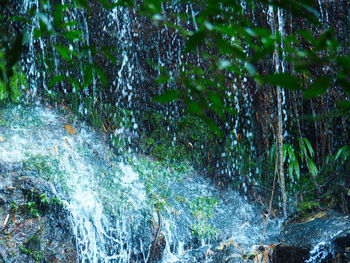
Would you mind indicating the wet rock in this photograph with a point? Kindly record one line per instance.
(341, 247)
(290, 253)
(2, 199)
(33, 226)
(201, 254)
(158, 246)
(6, 167)
(321, 237)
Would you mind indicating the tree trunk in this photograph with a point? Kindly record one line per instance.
(277, 25)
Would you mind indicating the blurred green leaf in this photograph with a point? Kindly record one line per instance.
(211, 124)
(195, 40)
(17, 82)
(37, 33)
(312, 166)
(109, 55)
(193, 107)
(318, 87)
(44, 21)
(250, 68)
(56, 79)
(82, 3)
(167, 96)
(284, 80)
(101, 74)
(74, 82)
(296, 168)
(307, 35)
(341, 151)
(290, 168)
(344, 105)
(3, 90)
(88, 74)
(162, 79)
(65, 52)
(308, 144)
(69, 24)
(73, 35)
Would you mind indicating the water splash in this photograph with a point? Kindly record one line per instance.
(320, 253)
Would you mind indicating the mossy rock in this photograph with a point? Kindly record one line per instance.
(305, 212)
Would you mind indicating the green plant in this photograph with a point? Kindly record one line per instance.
(44, 199)
(36, 255)
(192, 143)
(307, 207)
(47, 167)
(290, 156)
(204, 230)
(57, 200)
(343, 153)
(202, 208)
(33, 208)
(13, 90)
(14, 206)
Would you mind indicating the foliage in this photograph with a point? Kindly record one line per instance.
(228, 43)
(36, 255)
(343, 153)
(33, 209)
(47, 166)
(38, 204)
(296, 158)
(12, 91)
(307, 207)
(202, 208)
(182, 139)
(159, 179)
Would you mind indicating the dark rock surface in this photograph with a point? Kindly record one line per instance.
(321, 237)
(33, 225)
(228, 252)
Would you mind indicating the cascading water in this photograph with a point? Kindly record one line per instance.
(117, 204)
(111, 201)
(77, 181)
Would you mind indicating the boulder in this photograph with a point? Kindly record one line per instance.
(321, 237)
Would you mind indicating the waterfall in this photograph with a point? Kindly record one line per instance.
(111, 201)
(125, 206)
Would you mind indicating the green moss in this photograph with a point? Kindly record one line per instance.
(32, 247)
(47, 167)
(307, 207)
(203, 230)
